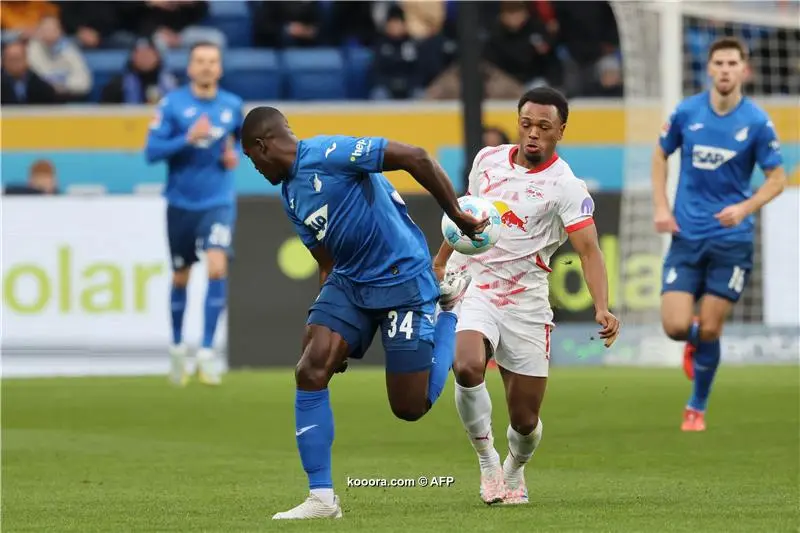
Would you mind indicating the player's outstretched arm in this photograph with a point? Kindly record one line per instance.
(586, 244)
(441, 259)
(428, 173)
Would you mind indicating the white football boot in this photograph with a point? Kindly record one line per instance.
(178, 374)
(209, 371)
(452, 289)
(312, 508)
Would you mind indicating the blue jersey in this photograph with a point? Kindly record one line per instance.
(337, 198)
(718, 156)
(196, 178)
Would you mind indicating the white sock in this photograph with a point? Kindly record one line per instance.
(520, 451)
(474, 406)
(326, 495)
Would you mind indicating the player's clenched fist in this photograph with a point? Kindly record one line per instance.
(201, 129)
(610, 325)
(665, 222)
(229, 157)
(470, 225)
(732, 215)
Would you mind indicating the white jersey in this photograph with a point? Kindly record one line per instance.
(538, 208)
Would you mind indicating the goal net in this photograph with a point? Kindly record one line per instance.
(664, 49)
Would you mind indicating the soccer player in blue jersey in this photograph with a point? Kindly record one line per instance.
(194, 132)
(375, 270)
(722, 135)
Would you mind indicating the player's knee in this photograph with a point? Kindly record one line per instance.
(180, 278)
(217, 264)
(676, 329)
(524, 424)
(311, 372)
(710, 330)
(409, 413)
(469, 371)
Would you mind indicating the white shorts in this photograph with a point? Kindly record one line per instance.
(520, 346)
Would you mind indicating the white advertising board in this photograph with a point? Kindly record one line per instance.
(91, 272)
(781, 254)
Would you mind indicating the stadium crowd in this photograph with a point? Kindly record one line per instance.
(50, 49)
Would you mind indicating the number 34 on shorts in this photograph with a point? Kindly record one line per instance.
(402, 329)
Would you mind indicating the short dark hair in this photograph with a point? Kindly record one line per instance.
(204, 44)
(546, 96)
(728, 43)
(257, 122)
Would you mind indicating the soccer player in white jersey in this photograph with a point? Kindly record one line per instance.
(722, 135)
(506, 311)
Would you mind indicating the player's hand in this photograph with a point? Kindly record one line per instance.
(665, 222)
(732, 215)
(469, 225)
(440, 271)
(610, 325)
(229, 156)
(201, 129)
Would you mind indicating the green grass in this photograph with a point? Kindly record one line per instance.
(133, 454)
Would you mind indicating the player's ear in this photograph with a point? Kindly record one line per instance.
(561, 129)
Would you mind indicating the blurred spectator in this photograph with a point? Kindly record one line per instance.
(520, 45)
(287, 24)
(588, 31)
(397, 67)
(425, 23)
(177, 24)
(496, 84)
(58, 61)
(41, 180)
(353, 23)
(144, 80)
(21, 19)
(494, 136)
(93, 24)
(609, 79)
(19, 84)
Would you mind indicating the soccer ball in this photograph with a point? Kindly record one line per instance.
(479, 208)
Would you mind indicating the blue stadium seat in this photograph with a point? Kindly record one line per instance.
(252, 73)
(359, 72)
(104, 65)
(233, 19)
(317, 74)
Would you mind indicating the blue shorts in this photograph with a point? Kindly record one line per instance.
(404, 313)
(192, 232)
(721, 268)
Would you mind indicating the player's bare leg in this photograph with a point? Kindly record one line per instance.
(178, 353)
(474, 406)
(680, 324)
(524, 395)
(324, 351)
(209, 367)
(713, 313)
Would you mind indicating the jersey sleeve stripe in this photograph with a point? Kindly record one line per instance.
(489, 152)
(580, 225)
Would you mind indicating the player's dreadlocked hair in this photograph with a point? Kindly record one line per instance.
(546, 96)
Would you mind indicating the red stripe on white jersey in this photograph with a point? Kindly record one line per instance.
(579, 225)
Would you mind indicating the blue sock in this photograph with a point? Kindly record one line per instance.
(444, 350)
(314, 432)
(177, 302)
(694, 333)
(706, 361)
(215, 303)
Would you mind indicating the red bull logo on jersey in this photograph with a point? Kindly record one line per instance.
(509, 218)
(534, 192)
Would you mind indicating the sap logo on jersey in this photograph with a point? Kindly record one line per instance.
(710, 157)
(318, 221)
(362, 147)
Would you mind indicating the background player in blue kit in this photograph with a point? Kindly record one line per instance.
(722, 135)
(194, 132)
(375, 270)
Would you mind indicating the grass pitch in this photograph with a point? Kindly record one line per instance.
(134, 454)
